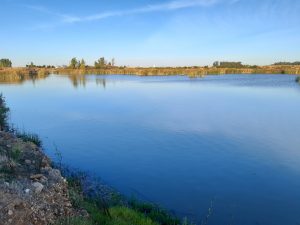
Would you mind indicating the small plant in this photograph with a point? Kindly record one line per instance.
(28, 137)
(298, 79)
(15, 154)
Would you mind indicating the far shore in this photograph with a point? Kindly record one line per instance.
(151, 71)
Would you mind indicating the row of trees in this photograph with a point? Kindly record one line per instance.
(297, 63)
(5, 63)
(77, 64)
(100, 63)
(228, 64)
(32, 65)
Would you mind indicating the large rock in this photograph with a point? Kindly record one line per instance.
(38, 187)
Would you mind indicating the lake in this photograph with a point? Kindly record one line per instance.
(230, 143)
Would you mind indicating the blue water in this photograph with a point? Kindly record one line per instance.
(227, 142)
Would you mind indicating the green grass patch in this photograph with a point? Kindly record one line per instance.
(154, 212)
(15, 154)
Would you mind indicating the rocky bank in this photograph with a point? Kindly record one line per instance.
(32, 192)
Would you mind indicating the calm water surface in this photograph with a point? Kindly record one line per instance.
(231, 141)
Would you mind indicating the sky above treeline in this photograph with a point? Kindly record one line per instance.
(150, 32)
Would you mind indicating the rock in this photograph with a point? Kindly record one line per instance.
(38, 187)
(10, 212)
(27, 191)
(45, 162)
(36, 176)
(27, 161)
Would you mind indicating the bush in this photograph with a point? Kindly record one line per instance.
(3, 114)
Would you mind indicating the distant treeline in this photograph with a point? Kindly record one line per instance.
(32, 65)
(297, 63)
(237, 65)
(99, 64)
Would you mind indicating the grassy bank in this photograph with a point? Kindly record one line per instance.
(19, 75)
(95, 203)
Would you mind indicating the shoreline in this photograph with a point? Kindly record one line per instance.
(155, 71)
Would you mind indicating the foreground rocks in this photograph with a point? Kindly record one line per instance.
(32, 192)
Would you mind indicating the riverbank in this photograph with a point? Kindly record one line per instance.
(33, 191)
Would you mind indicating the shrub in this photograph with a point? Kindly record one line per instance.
(3, 114)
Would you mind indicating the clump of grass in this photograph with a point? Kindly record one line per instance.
(28, 137)
(15, 154)
(154, 212)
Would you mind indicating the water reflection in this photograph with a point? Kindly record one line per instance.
(21, 78)
(76, 80)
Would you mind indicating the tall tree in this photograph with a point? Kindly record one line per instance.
(100, 63)
(74, 63)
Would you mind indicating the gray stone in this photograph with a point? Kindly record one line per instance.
(38, 187)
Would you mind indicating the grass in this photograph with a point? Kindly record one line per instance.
(28, 137)
(154, 212)
(116, 211)
(99, 212)
(15, 154)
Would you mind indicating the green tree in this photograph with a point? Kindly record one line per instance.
(216, 64)
(5, 63)
(74, 63)
(100, 63)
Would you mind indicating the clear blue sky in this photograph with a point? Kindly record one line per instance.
(150, 32)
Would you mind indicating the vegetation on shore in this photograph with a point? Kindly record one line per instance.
(112, 210)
